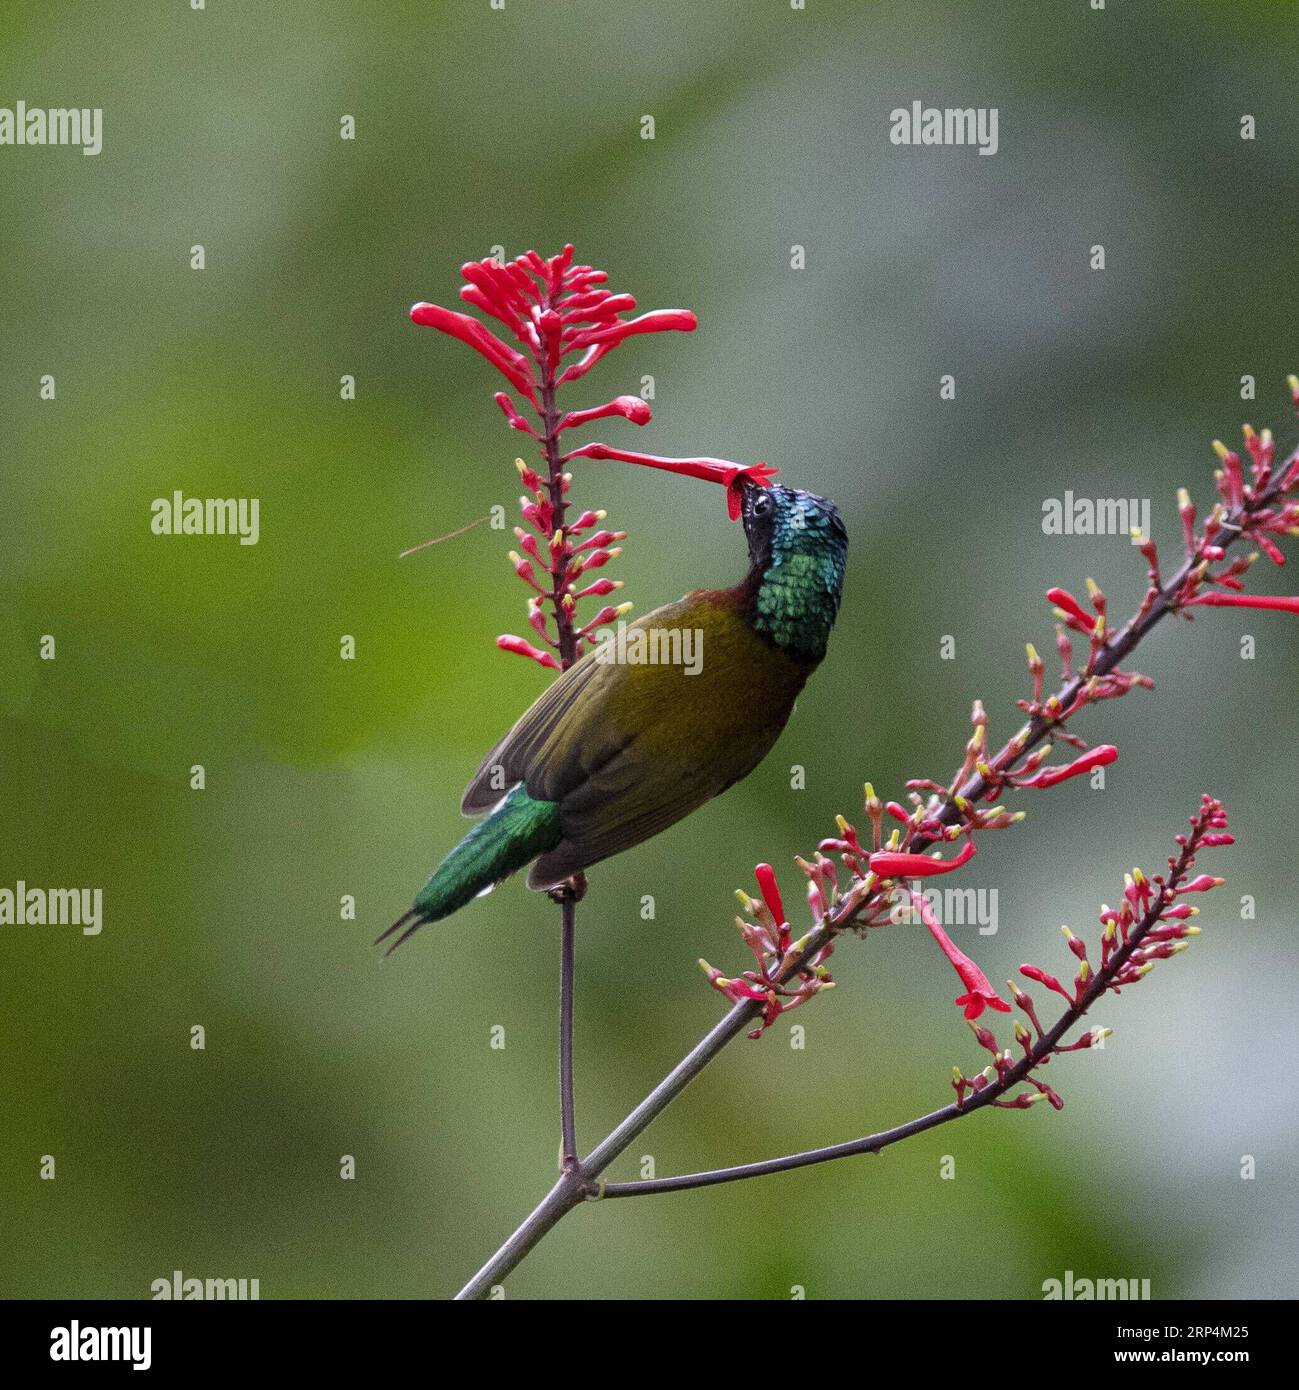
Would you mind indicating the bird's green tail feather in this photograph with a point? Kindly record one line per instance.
(510, 836)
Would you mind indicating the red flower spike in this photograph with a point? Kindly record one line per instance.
(768, 937)
(816, 902)
(551, 308)
(579, 369)
(1024, 1101)
(1076, 944)
(735, 990)
(1065, 647)
(538, 514)
(899, 864)
(538, 619)
(1053, 776)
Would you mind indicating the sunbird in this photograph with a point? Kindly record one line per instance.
(615, 751)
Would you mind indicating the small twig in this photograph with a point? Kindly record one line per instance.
(450, 536)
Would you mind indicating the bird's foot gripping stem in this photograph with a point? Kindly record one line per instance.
(574, 887)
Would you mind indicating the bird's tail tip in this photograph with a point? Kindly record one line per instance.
(414, 917)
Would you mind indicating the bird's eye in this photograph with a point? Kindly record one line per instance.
(762, 504)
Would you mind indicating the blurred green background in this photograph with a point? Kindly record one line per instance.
(521, 128)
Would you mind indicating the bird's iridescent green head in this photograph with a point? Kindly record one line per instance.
(798, 548)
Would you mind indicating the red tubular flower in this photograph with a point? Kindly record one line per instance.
(659, 321)
(723, 471)
(1035, 972)
(629, 407)
(599, 588)
(599, 540)
(509, 643)
(898, 864)
(979, 994)
(511, 365)
(517, 422)
(1202, 883)
(766, 877)
(1216, 600)
(1069, 605)
(1186, 510)
(735, 990)
(1233, 486)
(1053, 776)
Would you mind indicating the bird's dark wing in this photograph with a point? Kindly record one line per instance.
(576, 725)
(507, 763)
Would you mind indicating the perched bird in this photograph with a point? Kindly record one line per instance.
(617, 750)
